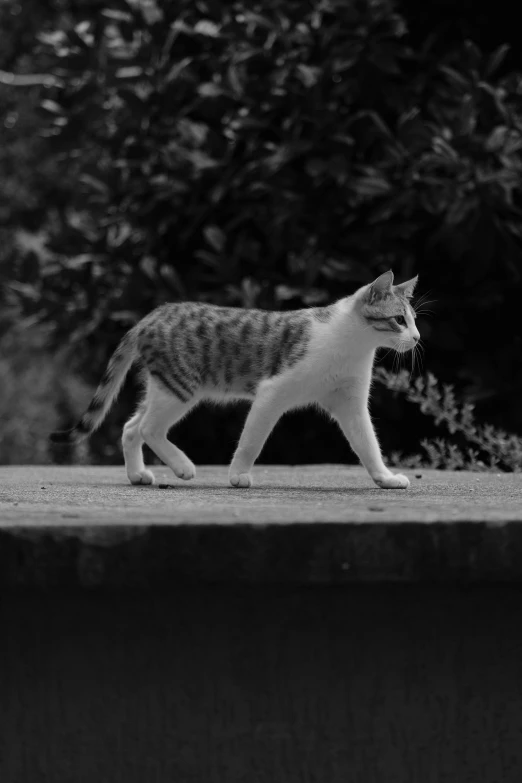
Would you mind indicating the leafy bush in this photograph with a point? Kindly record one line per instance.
(215, 146)
(473, 447)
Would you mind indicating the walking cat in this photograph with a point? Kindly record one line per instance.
(281, 360)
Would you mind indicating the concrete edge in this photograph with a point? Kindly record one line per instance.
(322, 554)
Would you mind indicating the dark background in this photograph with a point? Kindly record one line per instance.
(395, 683)
(276, 155)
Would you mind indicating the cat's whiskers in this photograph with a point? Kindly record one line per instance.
(386, 354)
(419, 308)
(401, 363)
(415, 354)
(423, 300)
(419, 355)
(396, 365)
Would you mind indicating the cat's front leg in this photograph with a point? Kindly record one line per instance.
(266, 409)
(351, 412)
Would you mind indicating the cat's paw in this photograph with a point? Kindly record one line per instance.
(186, 470)
(240, 480)
(142, 477)
(397, 481)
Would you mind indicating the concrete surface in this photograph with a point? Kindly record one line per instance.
(71, 496)
(313, 524)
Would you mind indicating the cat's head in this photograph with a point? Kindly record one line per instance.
(388, 314)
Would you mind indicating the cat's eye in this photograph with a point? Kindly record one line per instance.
(401, 320)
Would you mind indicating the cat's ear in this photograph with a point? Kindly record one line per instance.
(381, 287)
(407, 288)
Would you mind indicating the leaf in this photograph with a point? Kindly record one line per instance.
(77, 262)
(513, 144)
(376, 120)
(369, 186)
(194, 132)
(94, 183)
(55, 38)
(344, 64)
(82, 27)
(343, 138)
(308, 75)
(206, 27)
(252, 18)
(217, 193)
(51, 106)
(170, 276)
(235, 81)
(129, 72)
(496, 59)
(177, 68)
(150, 11)
(250, 290)
(456, 78)
(281, 156)
(209, 259)
(444, 149)
(124, 316)
(117, 234)
(29, 79)
(118, 16)
(497, 138)
(209, 90)
(285, 292)
(81, 35)
(315, 296)
(200, 160)
(24, 289)
(496, 95)
(148, 266)
(215, 237)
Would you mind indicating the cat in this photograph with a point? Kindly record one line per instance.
(281, 360)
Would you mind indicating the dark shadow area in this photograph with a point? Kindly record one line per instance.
(370, 684)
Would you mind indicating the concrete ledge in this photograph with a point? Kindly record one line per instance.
(316, 524)
(145, 665)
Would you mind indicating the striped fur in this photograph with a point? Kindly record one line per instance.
(281, 360)
(108, 389)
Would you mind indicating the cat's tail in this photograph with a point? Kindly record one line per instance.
(119, 365)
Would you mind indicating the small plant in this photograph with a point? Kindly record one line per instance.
(478, 446)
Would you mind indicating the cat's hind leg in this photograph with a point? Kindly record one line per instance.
(132, 443)
(162, 410)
